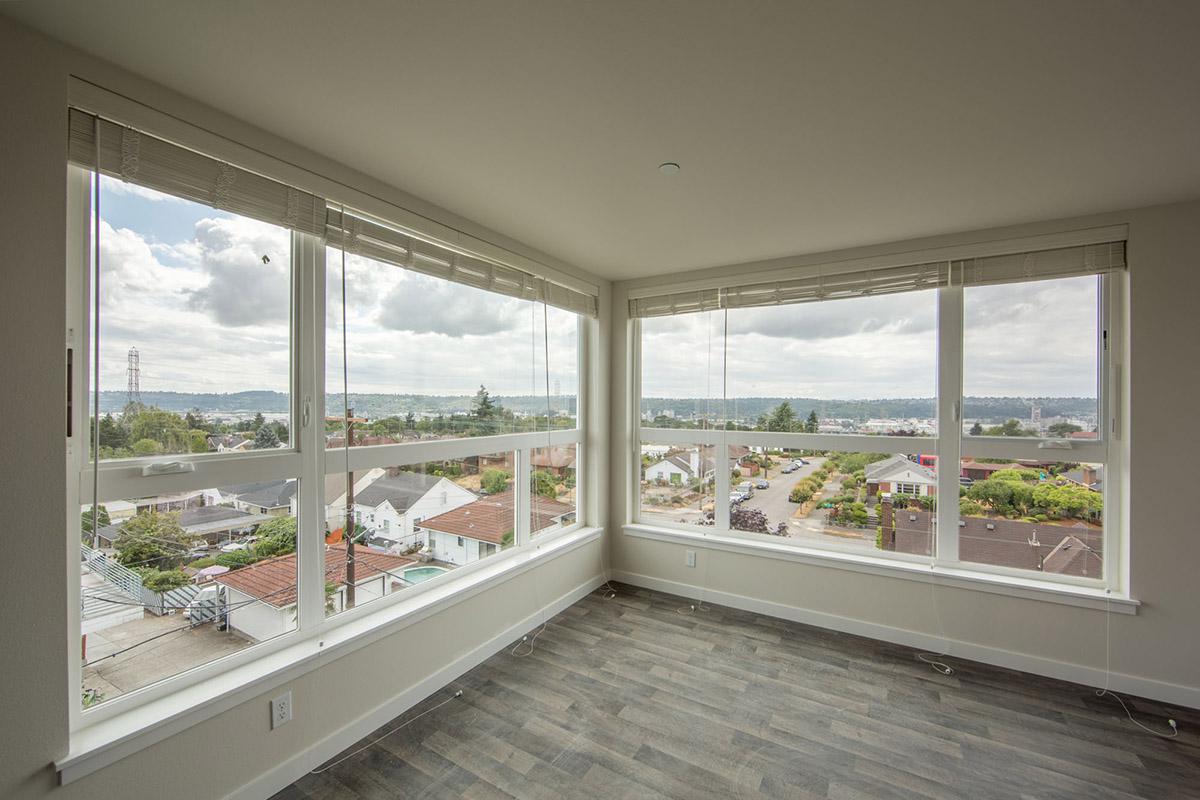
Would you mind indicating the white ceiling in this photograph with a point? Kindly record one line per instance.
(801, 127)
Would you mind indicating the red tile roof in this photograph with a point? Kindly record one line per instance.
(489, 519)
(273, 580)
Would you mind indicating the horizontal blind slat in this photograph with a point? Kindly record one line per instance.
(139, 158)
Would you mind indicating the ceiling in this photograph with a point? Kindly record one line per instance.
(800, 127)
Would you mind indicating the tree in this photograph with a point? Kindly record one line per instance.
(410, 421)
(276, 537)
(484, 407)
(544, 483)
(157, 580)
(198, 441)
(237, 559)
(85, 522)
(281, 431)
(147, 447)
(1063, 430)
(164, 427)
(152, 539)
(977, 429)
(813, 423)
(258, 421)
(265, 438)
(1009, 428)
(113, 433)
(782, 418)
(494, 481)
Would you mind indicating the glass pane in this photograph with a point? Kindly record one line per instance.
(195, 309)
(412, 523)
(170, 582)
(1045, 516)
(552, 488)
(682, 365)
(432, 359)
(677, 484)
(868, 501)
(865, 365)
(1031, 359)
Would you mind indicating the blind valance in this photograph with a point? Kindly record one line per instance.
(370, 239)
(831, 285)
(148, 161)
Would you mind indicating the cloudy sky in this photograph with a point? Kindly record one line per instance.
(189, 287)
(1020, 340)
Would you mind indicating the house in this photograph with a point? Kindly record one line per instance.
(481, 528)
(676, 469)
(213, 524)
(898, 475)
(273, 498)
(978, 471)
(558, 460)
(390, 503)
(261, 598)
(229, 443)
(1088, 476)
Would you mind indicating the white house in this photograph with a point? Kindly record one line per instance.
(898, 475)
(479, 529)
(261, 598)
(390, 503)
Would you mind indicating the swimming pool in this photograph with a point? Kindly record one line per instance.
(419, 574)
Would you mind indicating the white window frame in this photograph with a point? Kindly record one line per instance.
(305, 460)
(1108, 450)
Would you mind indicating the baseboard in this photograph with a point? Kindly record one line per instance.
(1175, 694)
(300, 764)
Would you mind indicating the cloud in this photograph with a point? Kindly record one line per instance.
(421, 304)
(243, 289)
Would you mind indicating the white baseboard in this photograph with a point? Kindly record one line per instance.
(286, 773)
(1076, 673)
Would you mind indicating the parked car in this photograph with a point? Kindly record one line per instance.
(746, 488)
(800, 462)
(789, 469)
(736, 497)
(238, 544)
(762, 483)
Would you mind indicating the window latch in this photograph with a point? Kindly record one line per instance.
(167, 468)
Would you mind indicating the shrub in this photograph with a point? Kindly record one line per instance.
(164, 580)
(201, 563)
(237, 559)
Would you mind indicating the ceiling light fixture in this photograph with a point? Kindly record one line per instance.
(668, 168)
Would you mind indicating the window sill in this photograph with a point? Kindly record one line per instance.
(956, 577)
(107, 741)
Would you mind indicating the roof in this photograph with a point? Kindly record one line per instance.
(265, 494)
(273, 580)
(896, 465)
(559, 457)
(976, 465)
(401, 490)
(491, 518)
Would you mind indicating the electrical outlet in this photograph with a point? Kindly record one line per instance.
(281, 710)
(689, 558)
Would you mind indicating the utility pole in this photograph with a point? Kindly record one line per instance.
(350, 419)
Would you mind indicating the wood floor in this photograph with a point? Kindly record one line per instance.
(628, 698)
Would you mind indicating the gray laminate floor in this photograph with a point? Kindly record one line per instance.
(627, 698)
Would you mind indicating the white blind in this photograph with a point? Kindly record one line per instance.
(1063, 262)
(146, 160)
(1039, 265)
(372, 240)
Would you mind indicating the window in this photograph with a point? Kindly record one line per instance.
(834, 402)
(238, 487)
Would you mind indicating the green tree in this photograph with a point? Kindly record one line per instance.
(198, 441)
(410, 421)
(152, 539)
(483, 408)
(1010, 427)
(237, 559)
(112, 433)
(782, 418)
(258, 421)
(494, 481)
(811, 425)
(147, 447)
(276, 537)
(165, 427)
(1063, 429)
(265, 438)
(544, 483)
(85, 522)
(157, 580)
(977, 429)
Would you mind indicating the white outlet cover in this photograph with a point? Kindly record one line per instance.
(281, 710)
(689, 558)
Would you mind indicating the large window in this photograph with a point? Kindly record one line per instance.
(267, 436)
(837, 403)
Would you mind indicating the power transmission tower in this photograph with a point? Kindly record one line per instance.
(133, 389)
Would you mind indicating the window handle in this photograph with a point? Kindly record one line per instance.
(306, 413)
(167, 468)
(71, 392)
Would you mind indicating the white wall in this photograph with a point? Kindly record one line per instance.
(1161, 644)
(37, 646)
(259, 621)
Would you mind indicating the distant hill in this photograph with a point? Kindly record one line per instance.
(372, 406)
(989, 409)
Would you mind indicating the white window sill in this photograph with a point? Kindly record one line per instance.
(956, 577)
(107, 741)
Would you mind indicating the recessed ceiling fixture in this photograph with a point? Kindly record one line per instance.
(668, 168)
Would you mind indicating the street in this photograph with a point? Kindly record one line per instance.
(775, 504)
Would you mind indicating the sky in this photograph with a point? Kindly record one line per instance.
(205, 297)
(1027, 340)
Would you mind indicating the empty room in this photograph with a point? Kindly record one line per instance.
(717, 399)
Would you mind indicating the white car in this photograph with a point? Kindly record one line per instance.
(237, 544)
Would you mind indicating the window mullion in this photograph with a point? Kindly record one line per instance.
(308, 333)
(522, 496)
(949, 411)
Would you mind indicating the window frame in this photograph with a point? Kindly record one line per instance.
(305, 460)
(948, 445)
